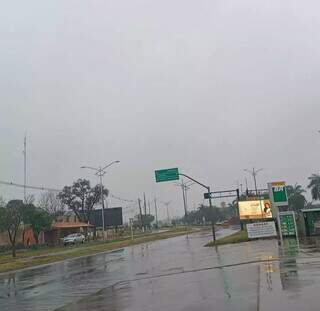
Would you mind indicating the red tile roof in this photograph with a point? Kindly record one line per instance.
(65, 225)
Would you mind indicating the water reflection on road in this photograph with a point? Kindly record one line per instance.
(174, 274)
(50, 287)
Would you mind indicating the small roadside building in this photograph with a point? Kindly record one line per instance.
(63, 226)
(59, 230)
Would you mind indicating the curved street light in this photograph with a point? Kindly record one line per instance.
(100, 172)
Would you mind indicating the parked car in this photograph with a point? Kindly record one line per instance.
(73, 239)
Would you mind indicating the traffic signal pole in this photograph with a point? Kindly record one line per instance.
(210, 203)
(212, 220)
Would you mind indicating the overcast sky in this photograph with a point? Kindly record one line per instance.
(211, 87)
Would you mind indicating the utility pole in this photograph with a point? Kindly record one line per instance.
(254, 172)
(247, 190)
(144, 204)
(25, 168)
(182, 185)
(184, 198)
(140, 212)
(184, 188)
(210, 202)
(149, 208)
(100, 174)
(156, 210)
(145, 211)
(212, 220)
(131, 227)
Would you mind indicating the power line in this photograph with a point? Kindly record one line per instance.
(121, 199)
(28, 186)
(8, 183)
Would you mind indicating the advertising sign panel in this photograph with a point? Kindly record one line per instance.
(288, 224)
(278, 193)
(261, 230)
(112, 217)
(252, 209)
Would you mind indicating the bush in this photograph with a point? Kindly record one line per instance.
(6, 248)
(238, 237)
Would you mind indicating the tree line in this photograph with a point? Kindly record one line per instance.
(16, 215)
(296, 202)
(81, 198)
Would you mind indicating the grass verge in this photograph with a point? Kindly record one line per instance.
(238, 237)
(32, 258)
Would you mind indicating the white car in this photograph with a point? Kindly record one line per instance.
(73, 239)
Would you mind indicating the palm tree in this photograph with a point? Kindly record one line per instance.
(296, 198)
(314, 185)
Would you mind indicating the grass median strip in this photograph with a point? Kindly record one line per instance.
(238, 237)
(32, 258)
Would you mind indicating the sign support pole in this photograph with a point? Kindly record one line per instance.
(210, 203)
(279, 225)
(212, 220)
(296, 228)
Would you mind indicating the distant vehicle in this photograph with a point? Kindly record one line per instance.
(73, 239)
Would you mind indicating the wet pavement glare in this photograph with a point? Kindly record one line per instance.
(174, 274)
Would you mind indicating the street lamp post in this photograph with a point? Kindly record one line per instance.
(156, 210)
(101, 172)
(167, 208)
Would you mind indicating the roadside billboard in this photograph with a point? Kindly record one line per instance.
(252, 209)
(261, 230)
(112, 217)
(278, 193)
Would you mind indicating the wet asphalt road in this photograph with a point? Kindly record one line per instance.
(175, 274)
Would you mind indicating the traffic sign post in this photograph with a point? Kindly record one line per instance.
(173, 174)
(167, 174)
(222, 194)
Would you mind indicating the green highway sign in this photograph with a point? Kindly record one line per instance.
(167, 174)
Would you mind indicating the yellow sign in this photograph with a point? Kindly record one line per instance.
(278, 184)
(257, 209)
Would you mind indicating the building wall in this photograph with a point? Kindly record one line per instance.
(26, 237)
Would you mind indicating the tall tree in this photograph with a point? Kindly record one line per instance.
(314, 185)
(81, 198)
(146, 219)
(296, 199)
(2, 202)
(50, 202)
(10, 221)
(30, 199)
(204, 212)
(37, 218)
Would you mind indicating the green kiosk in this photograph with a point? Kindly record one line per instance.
(310, 221)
